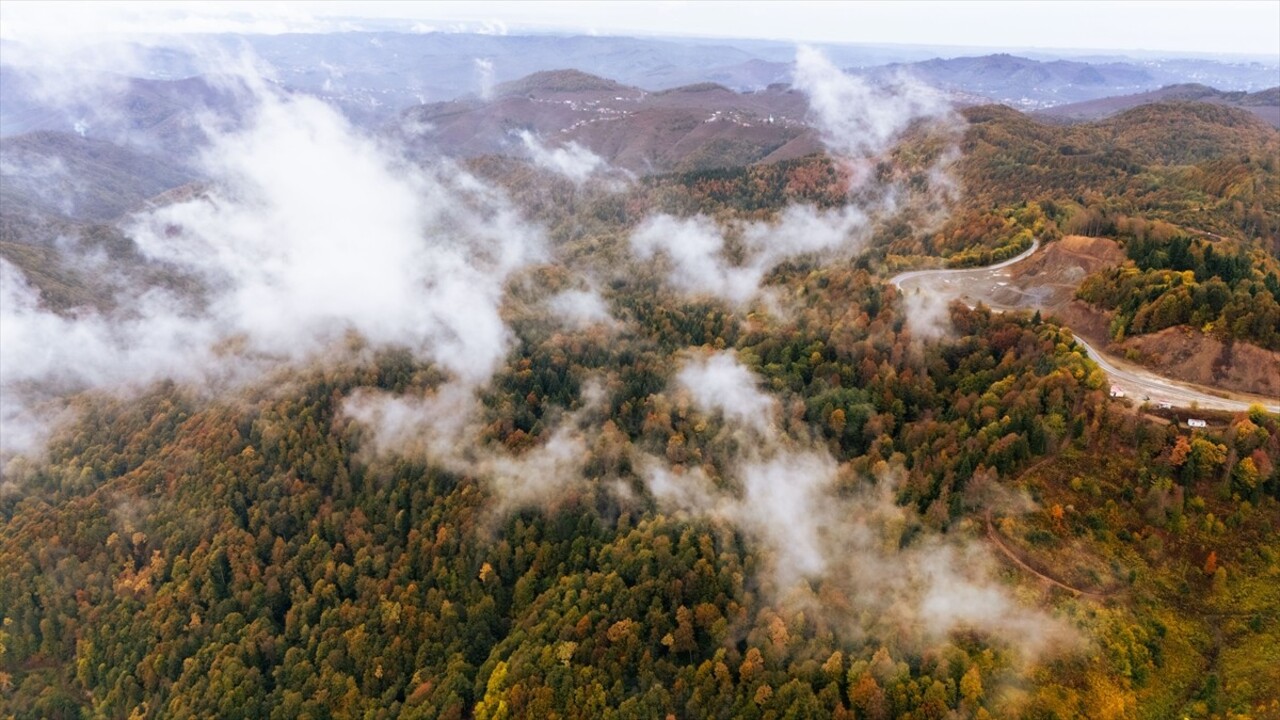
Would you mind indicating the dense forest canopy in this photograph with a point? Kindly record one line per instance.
(667, 446)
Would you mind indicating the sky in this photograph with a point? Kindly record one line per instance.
(1184, 26)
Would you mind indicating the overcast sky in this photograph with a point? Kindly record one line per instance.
(1237, 26)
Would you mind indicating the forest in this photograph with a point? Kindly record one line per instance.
(242, 559)
(691, 505)
(1180, 280)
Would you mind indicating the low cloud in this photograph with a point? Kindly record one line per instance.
(356, 243)
(579, 309)
(444, 426)
(700, 255)
(719, 383)
(860, 123)
(694, 247)
(858, 119)
(429, 426)
(815, 523)
(310, 233)
(484, 78)
(573, 161)
(928, 313)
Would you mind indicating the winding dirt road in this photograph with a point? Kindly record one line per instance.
(1137, 383)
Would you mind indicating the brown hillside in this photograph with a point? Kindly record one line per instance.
(1053, 274)
(559, 81)
(1188, 354)
(1177, 133)
(1264, 104)
(695, 127)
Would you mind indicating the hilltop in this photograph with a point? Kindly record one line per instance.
(1264, 103)
(692, 127)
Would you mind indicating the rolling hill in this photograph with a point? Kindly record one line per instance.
(62, 173)
(692, 127)
(1264, 103)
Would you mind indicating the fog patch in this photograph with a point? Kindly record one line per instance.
(694, 247)
(719, 383)
(357, 242)
(572, 161)
(816, 523)
(928, 313)
(42, 176)
(579, 309)
(860, 124)
(484, 78)
(856, 118)
(309, 233)
(444, 426)
(702, 260)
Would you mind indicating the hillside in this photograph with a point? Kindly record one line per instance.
(162, 116)
(1264, 103)
(250, 554)
(1215, 165)
(686, 128)
(574, 399)
(83, 178)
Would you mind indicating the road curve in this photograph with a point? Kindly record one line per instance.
(900, 278)
(1137, 383)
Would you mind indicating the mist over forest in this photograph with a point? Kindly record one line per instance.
(404, 372)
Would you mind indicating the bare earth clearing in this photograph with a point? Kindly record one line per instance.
(1046, 280)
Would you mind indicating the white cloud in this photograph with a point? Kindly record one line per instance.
(573, 161)
(309, 231)
(581, 308)
(718, 382)
(698, 253)
(857, 119)
(695, 247)
(484, 78)
(787, 498)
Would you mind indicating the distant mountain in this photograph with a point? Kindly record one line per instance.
(692, 127)
(164, 115)
(1024, 83)
(64, 174)
(558, 81)
(373, 76)
(1265, 104)
(1029, 84)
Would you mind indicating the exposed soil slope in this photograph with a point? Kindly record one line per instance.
(1188, 354)
(1046, 280)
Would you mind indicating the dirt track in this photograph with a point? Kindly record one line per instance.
(995, 538)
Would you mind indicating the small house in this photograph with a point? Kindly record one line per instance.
(1196, 423)
(1117, 391)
